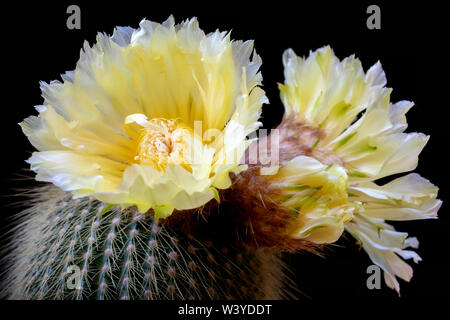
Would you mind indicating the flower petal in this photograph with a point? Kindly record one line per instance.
(383, 245)
(406, 198)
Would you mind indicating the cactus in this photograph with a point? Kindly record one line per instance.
(121, 254)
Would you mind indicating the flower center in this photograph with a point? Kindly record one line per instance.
(163, 142)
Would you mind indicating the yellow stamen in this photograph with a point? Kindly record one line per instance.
(163, 143)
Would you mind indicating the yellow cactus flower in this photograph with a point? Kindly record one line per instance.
(344, 119)
(155, 117)
(317, 196)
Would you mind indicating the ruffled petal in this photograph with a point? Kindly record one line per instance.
(81, 174)
(384, 245)
(327, 93)
(407, 198)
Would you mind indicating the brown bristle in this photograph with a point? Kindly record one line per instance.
(258, 219)
(296, 139)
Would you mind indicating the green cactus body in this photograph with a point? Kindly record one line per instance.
(80, 249)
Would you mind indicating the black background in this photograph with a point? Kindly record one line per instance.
(37, 45)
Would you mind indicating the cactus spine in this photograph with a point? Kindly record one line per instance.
(64, 249)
